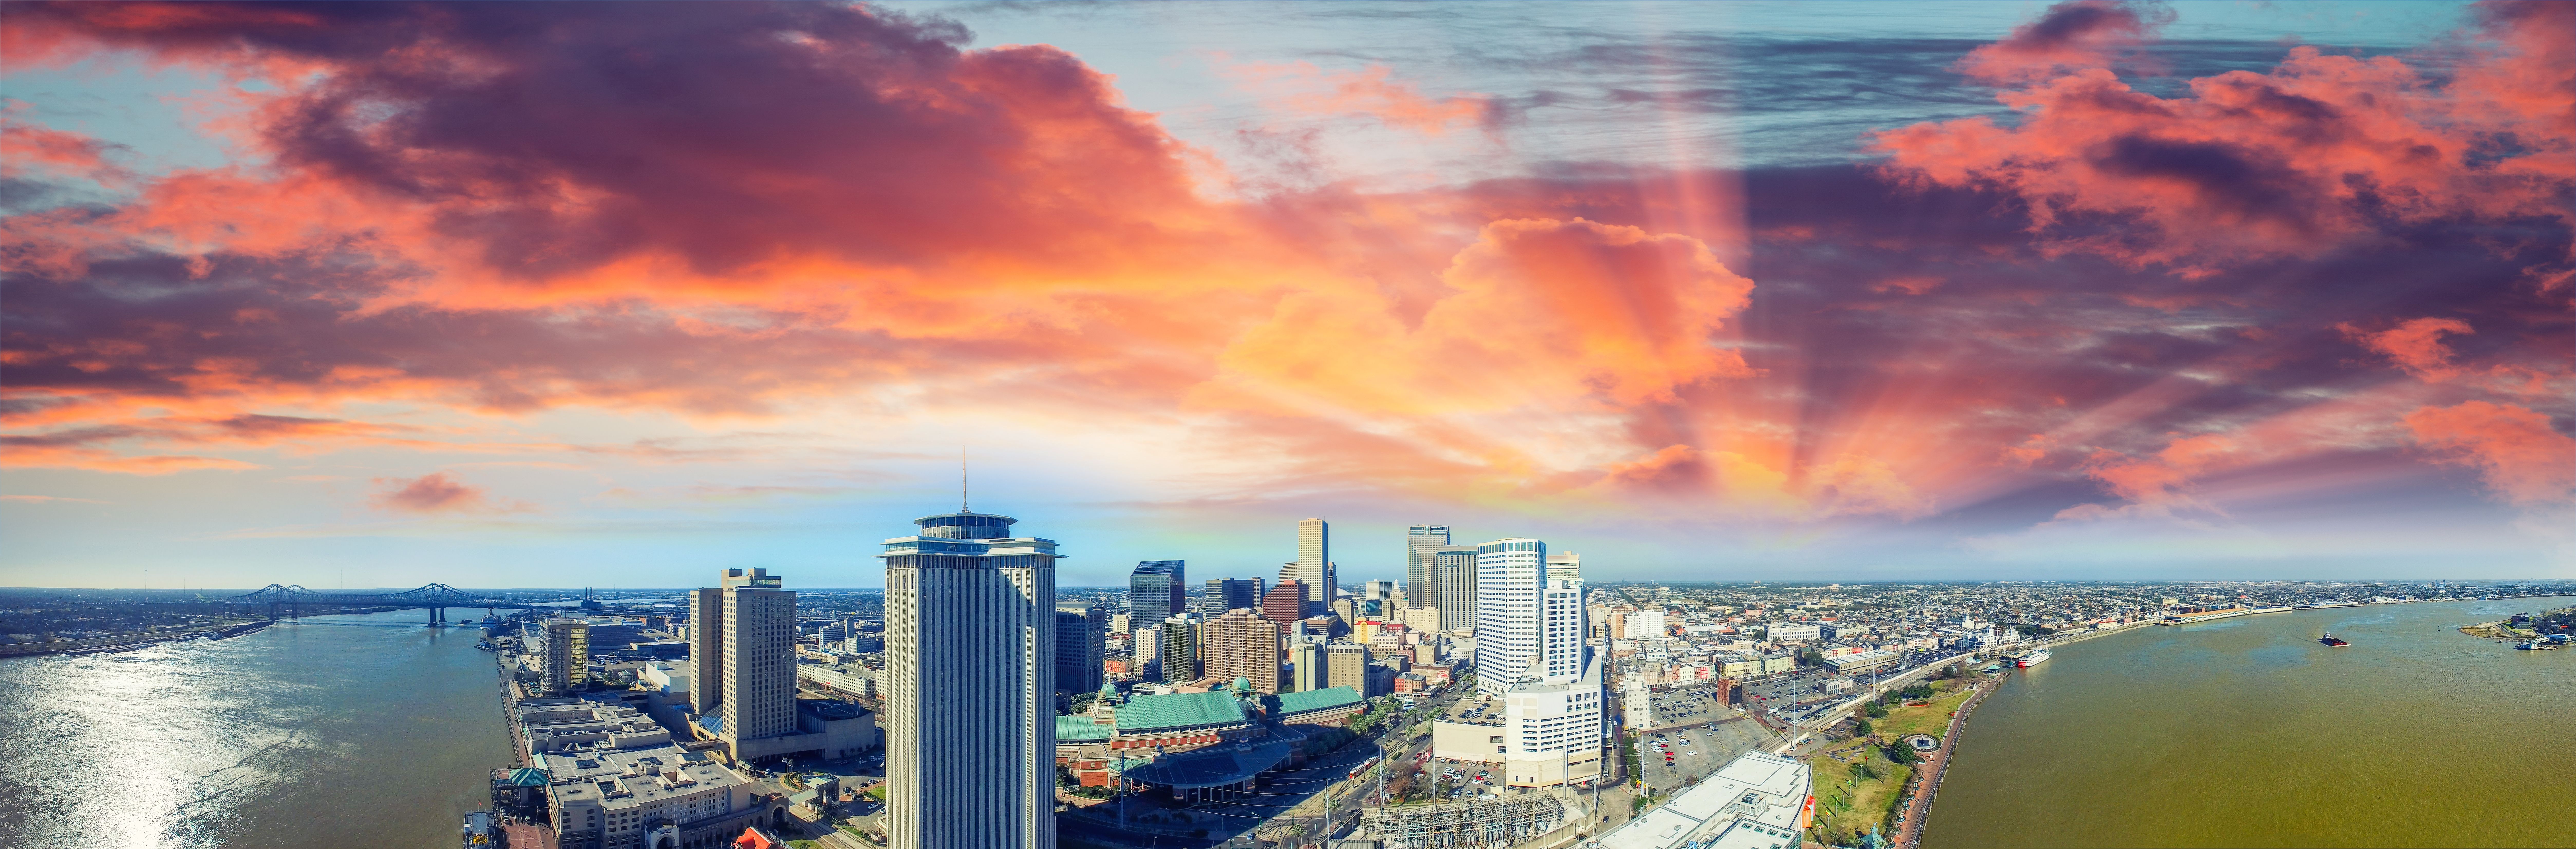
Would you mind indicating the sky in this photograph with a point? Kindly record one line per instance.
(554, 295)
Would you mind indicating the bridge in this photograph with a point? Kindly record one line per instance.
(437, 598)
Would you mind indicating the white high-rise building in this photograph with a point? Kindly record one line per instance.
(1510, 574)
(970, 663)
(1315, 560)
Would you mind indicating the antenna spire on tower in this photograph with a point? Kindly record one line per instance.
(964, 504)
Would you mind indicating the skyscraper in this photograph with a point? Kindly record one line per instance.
(706, 648)
(1420, 585)
(1308, 669)
(970, 663)
(1156, 590)
(1565, 566)
(564, 661)
(758, 688)
(1225, 594)
(1178, 653)
(1078, 648)
(1285, 603)
(1315, 560)
(1243, 644)
(1454, 576)
(1509, 576)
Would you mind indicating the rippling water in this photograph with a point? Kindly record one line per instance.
(2246, 732)
(335, 731)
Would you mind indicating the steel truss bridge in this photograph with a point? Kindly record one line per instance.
(291, 599)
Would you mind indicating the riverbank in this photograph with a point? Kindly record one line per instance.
(1921, 811)
(1858, 787)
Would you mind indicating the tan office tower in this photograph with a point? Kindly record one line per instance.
(1349, 665)
(1241, 644)
(565, 661)
(1307, 668)
(1419, 543)
(970, 663)
(1315, 560)
(706, 648)
(758, 687)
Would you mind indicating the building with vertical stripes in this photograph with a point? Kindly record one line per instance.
(1315, 561)
(970, 666)
(1454, 577)
(757, 691)
(1420, 583)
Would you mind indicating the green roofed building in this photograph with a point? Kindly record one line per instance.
(1195, 745)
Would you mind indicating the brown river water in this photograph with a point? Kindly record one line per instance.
(2247, 732)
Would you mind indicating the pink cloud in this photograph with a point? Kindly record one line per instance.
(437, 493)
(2514, 449)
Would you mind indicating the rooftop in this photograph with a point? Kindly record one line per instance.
(1180, 710)
(1756, 801)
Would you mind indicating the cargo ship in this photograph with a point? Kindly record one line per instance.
(2331, 640)
(2032, 659)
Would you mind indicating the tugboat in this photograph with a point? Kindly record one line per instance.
(2331, 641)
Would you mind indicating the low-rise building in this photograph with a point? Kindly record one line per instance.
(615, 799)
(1757, 801)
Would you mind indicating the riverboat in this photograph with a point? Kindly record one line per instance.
(2032, 659)
(2331, 640)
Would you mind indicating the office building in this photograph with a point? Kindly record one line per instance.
(970, 670)
(1079, 649)
(706, 647)
(1420, 583)
(1347, 665)
(563, 663)
(1176, 652)
(757, 686)
(1285, 603)
(1156, 590)
(1565, 566)
(1454, 578)
(1308, 667)
(649, 797)
(1245, 645)
(1223, 594)
(1315, 561)
(1508, 627)
(1377, 591)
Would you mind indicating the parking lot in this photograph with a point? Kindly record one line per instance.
(1689, 706)
(1696, 751)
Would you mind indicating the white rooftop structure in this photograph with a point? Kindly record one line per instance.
(1757, 801)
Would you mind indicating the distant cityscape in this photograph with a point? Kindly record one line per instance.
(1492, 695)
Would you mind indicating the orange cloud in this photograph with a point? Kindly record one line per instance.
(2318, 152)
(436, 493)
(2415, 345)
(1371, 91)
(2514, 448)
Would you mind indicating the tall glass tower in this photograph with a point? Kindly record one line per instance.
(1157, 590)
(1315, 560)
(970, 668)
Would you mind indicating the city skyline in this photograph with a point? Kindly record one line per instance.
(1732, 290)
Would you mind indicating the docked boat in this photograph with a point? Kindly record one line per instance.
(2525, 646)
(2331, 640)
(2032, 659)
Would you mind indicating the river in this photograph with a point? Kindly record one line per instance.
(331, 732)
(2247, 732)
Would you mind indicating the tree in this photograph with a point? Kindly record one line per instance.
(1860, 727)
(1875, 711)
(1902, 754)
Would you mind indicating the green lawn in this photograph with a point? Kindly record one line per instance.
(1847, 806)
(1903, 720)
